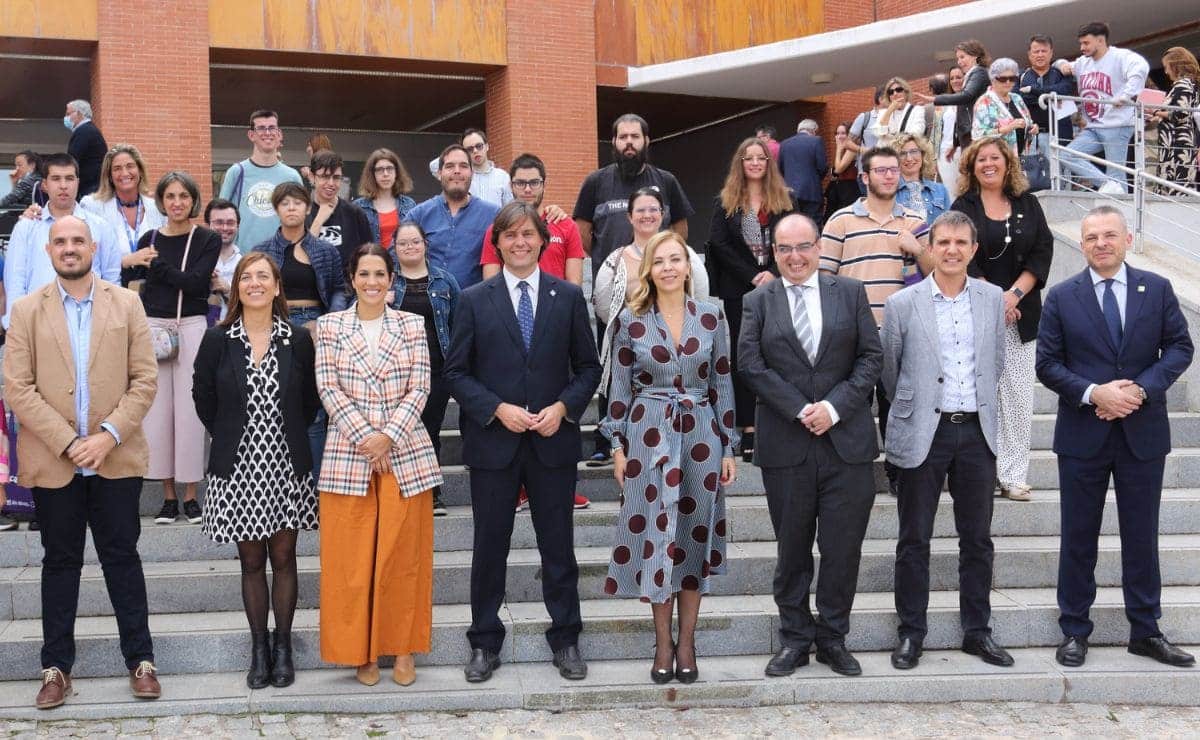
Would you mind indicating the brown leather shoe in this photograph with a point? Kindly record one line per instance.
(143, 681)
(56, 687)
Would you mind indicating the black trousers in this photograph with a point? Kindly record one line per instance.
(1084, 484)
(824, 490)
(744, 399)
(434, 412)
(493, 503)
(110, 508)
(962, 452)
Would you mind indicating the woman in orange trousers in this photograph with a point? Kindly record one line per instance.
(376, 479)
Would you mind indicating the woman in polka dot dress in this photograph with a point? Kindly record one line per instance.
(670, 419)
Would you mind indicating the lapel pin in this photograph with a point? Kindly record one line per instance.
(287, 342)
(552, 293)
(1141, 288)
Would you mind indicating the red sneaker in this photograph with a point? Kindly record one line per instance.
(581, 501)
(522, 500)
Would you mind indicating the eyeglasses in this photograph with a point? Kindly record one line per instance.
(403, 243)
(911, 153)
(266, 129)
(531, 184)
(790, 248)
(1006, 78)
(881, 171)
(754, 158)
(384, 169)
(476, 147)
(894, 90)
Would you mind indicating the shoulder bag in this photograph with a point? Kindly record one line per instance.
(165, 338)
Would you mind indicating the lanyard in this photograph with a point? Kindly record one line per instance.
(131, 233)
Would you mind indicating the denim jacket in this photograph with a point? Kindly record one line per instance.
(404, 204)
(326, 262)
(443, 294)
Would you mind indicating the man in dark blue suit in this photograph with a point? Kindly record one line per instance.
(523, 367)
(1112, 341)
(803, 164)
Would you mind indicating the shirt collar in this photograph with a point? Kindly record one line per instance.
(809, 282)
(860, 208)
(511, 280)
(77, 212)
(937, 292)
(64, 295)
(1121, 277)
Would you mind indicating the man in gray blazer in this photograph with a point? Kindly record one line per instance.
(942, 356)
(810, 351)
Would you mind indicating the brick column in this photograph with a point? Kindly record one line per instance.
(150, 84)
(544, 101)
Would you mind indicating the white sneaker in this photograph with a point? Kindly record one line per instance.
(1112, 188)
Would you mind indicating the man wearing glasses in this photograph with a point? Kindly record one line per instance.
(877, 241)
(249, 183)
(330, 218)
(488, 182)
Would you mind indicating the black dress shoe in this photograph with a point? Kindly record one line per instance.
(482, 663)
(687, 675)
(570, 663)
(907, 654)
(1162, 651)
(663, 675)
(985, 647)
(283, 671)
(786, 661)
(259, 675)
(838, 658)
(1072, 651)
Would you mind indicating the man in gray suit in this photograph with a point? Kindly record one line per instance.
(810, 351)
(943, 350)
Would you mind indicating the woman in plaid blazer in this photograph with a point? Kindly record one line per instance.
(376, 479)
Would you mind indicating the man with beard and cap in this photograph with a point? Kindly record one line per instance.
(455, 221)
(600, 209)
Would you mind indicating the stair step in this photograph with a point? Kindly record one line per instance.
(214, 585)
(615, 629)
(747, 516)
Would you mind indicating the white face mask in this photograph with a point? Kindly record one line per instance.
(67, 122)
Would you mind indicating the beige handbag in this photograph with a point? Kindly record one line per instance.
(165, 338)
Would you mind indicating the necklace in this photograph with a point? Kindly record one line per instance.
(135, 203)
(673, 313)
(1007, 238)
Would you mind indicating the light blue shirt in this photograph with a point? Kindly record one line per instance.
(79, 328)
(956, 338)
(1120, 289)
(28, 267)
(455, 241)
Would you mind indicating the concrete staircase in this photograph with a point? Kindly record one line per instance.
(202, 645)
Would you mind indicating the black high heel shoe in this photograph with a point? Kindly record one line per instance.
(663, 675)
(687, 675)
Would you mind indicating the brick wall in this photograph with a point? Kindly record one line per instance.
(544, 101)
(150, 83)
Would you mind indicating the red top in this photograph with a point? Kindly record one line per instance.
(388, 223)
(564, 244)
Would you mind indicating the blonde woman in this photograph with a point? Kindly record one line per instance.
(124, 199)
(900, 116)
(919, 191)
(670, 421)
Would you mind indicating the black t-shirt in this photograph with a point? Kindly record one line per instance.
(997, 258)
(416, 300)
(604, 201)
(163, 278)
(299, 279)
(347, 228)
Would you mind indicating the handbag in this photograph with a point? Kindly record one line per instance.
(165, 338)
(1036, 165)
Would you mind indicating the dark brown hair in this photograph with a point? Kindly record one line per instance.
(973, 47)
(513, 213)
(368, 187)
(290, 190)
(279, 308)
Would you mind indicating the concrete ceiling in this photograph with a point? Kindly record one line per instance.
(912, 47)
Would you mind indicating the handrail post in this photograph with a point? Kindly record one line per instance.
(1052, 152)
(1139, 182)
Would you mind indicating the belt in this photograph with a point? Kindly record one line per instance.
(959, 417)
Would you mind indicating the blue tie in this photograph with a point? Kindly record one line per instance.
(1112, 314)
(525, 313)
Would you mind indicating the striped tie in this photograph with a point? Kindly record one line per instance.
(800, 320)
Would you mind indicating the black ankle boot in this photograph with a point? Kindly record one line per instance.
(260, 660)
(283, 673)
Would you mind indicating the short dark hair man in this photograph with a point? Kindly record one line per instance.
(221, 216)
(87, 145)
(331, 219)
(766, 134)
(249, 183)
(1042, 78)
(488, 182)
(1112, 422)
(813, 374)
(83, 451)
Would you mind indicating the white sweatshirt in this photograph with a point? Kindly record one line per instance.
(1120, 73)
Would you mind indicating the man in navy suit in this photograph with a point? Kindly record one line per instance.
(803, 164)
(523, 366)
(1112, 341)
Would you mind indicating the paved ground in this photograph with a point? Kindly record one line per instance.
(857, 720)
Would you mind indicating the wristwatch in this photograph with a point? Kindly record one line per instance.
(1017, 292)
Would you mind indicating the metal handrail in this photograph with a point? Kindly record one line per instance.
(1047, 99)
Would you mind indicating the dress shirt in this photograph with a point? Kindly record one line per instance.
(27, 265)
(956, 337)
(514, 292)
(1120, 289)
(455, 241)
(812, 303)
(79, 328)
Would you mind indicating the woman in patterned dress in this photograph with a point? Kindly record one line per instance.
(670, 420)
(1177, 129)
(255, 390)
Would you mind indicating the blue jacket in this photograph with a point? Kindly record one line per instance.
(443, 295)
(1074, 350)
(326, 262)
(803, 164)
(404, 204)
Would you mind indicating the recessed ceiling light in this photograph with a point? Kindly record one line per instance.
(944, 56)
(821, 78)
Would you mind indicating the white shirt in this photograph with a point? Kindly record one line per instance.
(514, 292)
(372, 330)
(1120, 289)
(812, 303)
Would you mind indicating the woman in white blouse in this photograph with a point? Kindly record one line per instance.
(900, 115)
(124, 199)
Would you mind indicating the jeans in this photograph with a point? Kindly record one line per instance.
(301, 316)
(1113, 142)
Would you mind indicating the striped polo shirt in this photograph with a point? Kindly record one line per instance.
(856, 245)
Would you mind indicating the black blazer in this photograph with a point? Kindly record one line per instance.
(88, 147)
(848, 364)
(487, 364)
(731, 264)
(219, 392)
(1033, 244)
(975, 84)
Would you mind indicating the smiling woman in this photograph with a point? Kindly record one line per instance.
(124, 199)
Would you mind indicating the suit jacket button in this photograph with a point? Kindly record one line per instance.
(937, 411)
(939, 380)
(1120, 367)
(71, 391)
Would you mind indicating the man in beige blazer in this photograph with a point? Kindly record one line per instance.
(80, 374)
